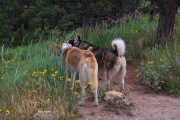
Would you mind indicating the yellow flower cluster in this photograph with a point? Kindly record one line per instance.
(39, 73)
(54, 74)
(150, 62)
(77, 81)
(8, 111)
(48, 100)
(34, 91)
(61, 78)
(12, 60)
(69, 80)
(138, 75)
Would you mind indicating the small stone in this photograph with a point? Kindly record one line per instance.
(111, 95)
(45, 115)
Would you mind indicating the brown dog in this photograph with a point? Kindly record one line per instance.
(83, 62)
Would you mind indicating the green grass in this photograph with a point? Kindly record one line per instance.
(24, 81)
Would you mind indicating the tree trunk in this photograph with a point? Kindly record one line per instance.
(166, 23)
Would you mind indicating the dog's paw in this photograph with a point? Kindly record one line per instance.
(95, 104)
(81, 102)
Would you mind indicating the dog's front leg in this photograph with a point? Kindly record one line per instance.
(73, 76)
(66, 75)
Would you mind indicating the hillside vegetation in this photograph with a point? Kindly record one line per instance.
(31, 77)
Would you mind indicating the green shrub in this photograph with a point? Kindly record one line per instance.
(161, 70)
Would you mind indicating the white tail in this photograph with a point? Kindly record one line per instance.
(119, 44)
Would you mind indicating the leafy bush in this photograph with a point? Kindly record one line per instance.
(161, 70)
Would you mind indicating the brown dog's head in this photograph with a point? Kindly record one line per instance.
(60, 48)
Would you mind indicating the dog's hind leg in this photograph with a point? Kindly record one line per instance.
(93, 78)
(106, 78)
(82, 77)
(123, 74)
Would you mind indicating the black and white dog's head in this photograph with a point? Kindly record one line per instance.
(75, 42)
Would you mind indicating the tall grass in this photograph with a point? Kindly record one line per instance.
(137, 35)
(31, 80)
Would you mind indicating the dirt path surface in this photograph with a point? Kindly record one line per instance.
(147, 104)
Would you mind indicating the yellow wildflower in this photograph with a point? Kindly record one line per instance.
(34, 91)
(85, 86)
(161, 59)
(42, 73)
(53, 75)
(69, 79)
(35, 73)
(61, 78)
(90, 83)
(137, 75)
(137, 70)
(77, 81)
(48, 100)
(0, 110)
(136, 31)
(56, 72)
(45, 70)
(72, 115)
(71, 88)
(9, 61)
(150, 62)
(8, 111)
(76, 93)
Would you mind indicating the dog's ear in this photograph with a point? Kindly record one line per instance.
(90, 48)
(54, 45)
(77, 38)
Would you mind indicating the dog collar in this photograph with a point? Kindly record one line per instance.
(61, 50)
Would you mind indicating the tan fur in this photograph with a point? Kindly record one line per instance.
(83, 62)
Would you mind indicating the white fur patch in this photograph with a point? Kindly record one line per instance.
(66, 45)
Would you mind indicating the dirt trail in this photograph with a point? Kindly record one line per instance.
(147, 105)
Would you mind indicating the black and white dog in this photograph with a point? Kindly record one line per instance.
(111, 61)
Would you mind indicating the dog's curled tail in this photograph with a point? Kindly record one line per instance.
(119, 45)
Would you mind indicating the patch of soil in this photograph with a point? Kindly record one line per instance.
(148, 105)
